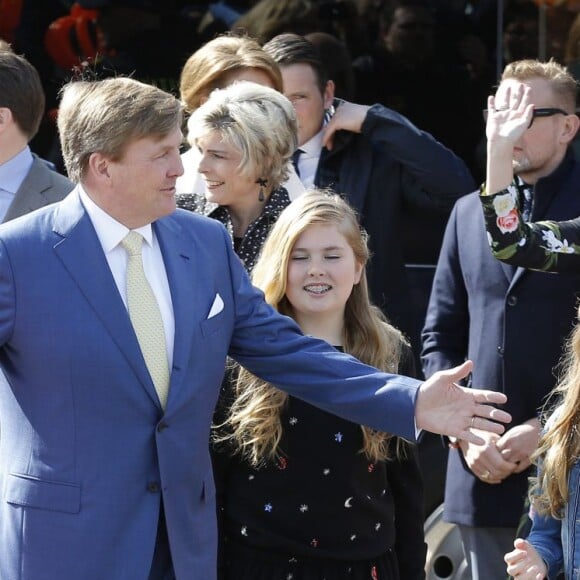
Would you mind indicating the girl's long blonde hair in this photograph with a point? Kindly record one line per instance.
(254, 421)
(559, 446)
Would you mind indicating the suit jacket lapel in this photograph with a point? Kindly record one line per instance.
(30, 194)
(81, 254)
(179, 260)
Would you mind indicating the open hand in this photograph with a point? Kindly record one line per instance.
(446, 408)
(509, 114)
(524, 563)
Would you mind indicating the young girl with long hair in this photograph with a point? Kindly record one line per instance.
(552, 546)
(306, 495)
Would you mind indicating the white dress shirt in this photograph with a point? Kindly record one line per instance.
(308, 161)
(110, 233)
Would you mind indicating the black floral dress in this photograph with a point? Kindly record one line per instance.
(247, 248)
(545, 245)
(323, 510)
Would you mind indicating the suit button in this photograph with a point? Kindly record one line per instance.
(512, 300)
(500, 350)
(161, 426)
(153, 487)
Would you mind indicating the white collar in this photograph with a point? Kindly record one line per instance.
(313, 146)
(109, 231)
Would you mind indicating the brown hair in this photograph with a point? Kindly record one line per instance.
(212, 65)
(105, 116)
(21, 92)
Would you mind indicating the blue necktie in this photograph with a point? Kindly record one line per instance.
(295, 158)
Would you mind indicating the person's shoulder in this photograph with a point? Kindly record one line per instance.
(61, 182)
(198, 230)
(41, 167)
(469, 201)
(196, 222)
(195, 203)
(37, 223)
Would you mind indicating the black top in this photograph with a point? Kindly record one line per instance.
(247, 248)
(323, 498)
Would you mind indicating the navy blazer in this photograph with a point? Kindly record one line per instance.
(511, 322)
(389, 167)
(86, 451)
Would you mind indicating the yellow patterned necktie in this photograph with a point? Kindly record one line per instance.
(146, 316)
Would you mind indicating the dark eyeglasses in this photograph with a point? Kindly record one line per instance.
(540, 112)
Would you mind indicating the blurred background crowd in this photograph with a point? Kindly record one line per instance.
(434, 61)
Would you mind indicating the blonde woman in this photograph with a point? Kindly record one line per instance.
(245, 135)
(305, 494)
(216, 65)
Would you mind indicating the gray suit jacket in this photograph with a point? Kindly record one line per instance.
(42, 186)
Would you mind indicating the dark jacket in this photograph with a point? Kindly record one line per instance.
(511, 322)
(392, 164)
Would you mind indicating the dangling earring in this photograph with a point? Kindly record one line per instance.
(262, 183)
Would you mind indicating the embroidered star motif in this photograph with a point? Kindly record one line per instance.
(268, 507)
(303, 508)
(326, 471)
(244, 531)
(293, 420)
(338, 437)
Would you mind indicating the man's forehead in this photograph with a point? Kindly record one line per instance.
(540, 89)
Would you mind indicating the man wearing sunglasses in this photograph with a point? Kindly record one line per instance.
(511, 322)
(536, 112)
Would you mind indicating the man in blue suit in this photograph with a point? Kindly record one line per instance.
(104, 464)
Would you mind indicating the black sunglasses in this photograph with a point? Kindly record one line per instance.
(540, 112)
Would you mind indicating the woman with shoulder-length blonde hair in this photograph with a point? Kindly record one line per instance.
(216, 65)
(305, 494)
(245, 135)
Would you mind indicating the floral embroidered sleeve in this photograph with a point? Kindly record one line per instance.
(547, 245)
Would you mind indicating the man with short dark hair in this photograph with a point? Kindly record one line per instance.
(375, 157)
(26, 181)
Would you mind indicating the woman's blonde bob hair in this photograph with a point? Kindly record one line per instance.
(257, 121)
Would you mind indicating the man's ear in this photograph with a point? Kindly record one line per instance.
(98, 166)
(328, 94)
(570, 128)
(5, 118)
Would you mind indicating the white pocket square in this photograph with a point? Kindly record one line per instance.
(216, 307)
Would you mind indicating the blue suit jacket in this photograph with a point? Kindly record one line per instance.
(511, 322)
(86, 450)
